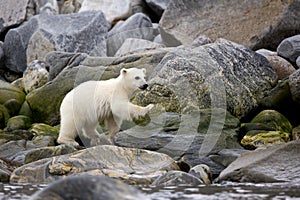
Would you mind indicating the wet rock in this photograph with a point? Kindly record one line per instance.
(278, 163)
(214, 75)
(18, 123)
(136, 26)
(12, 13)
(133, 45)
(113, 10)
(282, 67)
(202, 172)
(95, 188)
(255, 24)
(173, 178)
(289, 48)
(35, 75)
(81, 32)
(134, 166)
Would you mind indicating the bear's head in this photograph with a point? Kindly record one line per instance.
(134, 78)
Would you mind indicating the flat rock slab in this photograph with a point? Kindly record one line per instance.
(279, 163)
(135, 166)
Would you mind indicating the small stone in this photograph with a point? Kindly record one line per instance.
(203, 173)
(18, 122)
(281, 66)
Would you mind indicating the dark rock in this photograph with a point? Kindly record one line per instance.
(82, 32)
(289, 48)
(4, 116)
(136, 26)
(134, 166)
(279, 163)
(226, 156)
(13, 106)
(256, 24)
(173, 178)
(158, 6)
(298, 62)
(89, 187)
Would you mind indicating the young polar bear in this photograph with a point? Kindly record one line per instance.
(91, 102)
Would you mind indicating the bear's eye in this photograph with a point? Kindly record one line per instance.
(137, 78)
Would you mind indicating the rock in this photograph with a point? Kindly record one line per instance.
(256, 24)
(137, 26)
(255, 166)
(289, 48)
(113, 10)
(282, 67)
(45, 101)
(49, 7)
(202, 172)
(173, 178)
(25, 110)
(190, 137)
(134, 166)
(44, 129)
(256, 139)
(35, 75)
(13, 106)
(296, 133)
(8, 92)
(158, 6)
(69, 6)
(226, 156)
(246, 127)
(98, 188)
(1, 55)
(294, 85)
(6, 167)
(81, 32)
(298, 61)
(133, 45)
(266, 52)
(18, 123)
(6, 136)
(4, 116)
(273, 119)
(47, 152)
(201, 40)
(59, 60)
(12, 14)
(214, 75)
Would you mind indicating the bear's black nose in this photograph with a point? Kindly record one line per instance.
(143, 87)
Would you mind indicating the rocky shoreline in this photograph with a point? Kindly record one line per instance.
(224, 78)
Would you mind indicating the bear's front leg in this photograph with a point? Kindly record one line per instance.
(113, 124)
(139, 111)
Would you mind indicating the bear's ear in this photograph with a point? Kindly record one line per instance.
(123, 71)
(144, 70)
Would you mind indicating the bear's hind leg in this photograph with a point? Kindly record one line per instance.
(113, 124)
(67, 133)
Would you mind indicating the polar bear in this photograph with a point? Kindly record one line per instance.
(94, 101)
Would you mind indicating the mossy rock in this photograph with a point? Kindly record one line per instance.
(257, 138)
(9, 91)
(16, 135)
(25, 109)
(44, 129)
(20, 122)
(273, 119)
(4, 116)
(13, 106)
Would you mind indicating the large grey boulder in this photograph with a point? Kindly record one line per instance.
(255, 24)
(89, 187)
(113, 10)
(137, 26)
(134, 166)
(218, 75)
(82, 32)
(12, 13)
(279, 163)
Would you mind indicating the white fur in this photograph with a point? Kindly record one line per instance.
(91, 102)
